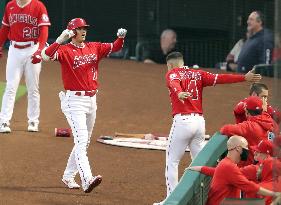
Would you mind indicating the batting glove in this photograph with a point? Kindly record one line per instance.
(36, 57)
(65, 35)
(1, 52)
(121, 33)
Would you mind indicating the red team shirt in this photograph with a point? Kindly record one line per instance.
(79, 65)
(193, 81)
(24, 22)
(254, 129)
(227, 185)
(264, 179)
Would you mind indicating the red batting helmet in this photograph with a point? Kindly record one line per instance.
(76, 23)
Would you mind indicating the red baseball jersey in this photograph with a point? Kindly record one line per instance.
(193, 81)
(79, 65)
(228, 185)
(24, 22)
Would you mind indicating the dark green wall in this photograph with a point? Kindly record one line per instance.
(146, 18)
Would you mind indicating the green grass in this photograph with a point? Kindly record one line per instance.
(21, 91)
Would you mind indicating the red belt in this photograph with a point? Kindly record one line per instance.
(86, 93)
(22, 46)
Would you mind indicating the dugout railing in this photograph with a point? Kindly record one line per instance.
(193, 186)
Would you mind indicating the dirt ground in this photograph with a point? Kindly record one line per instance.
(132, 98)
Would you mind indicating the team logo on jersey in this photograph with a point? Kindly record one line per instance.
(45, 18)
(82, 60)
(22, 18)
(186, 74)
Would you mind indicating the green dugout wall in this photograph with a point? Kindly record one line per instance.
(2, 6)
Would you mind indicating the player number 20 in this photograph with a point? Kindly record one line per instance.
(30, 32)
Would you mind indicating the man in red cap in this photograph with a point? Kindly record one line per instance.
(264, 173)
(79, 65)
(257, 127)
(260, 90)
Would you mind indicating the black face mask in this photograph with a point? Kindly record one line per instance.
(244, 154)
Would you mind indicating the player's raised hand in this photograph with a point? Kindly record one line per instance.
(252, 77)
(1, 52)
(36, 57)
(65, 35)
(121, 33)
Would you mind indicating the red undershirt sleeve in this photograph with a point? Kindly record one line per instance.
(209, 171)
(51, 50)
(241, 182)
(4, 31)
(43, 36)
(229, 78)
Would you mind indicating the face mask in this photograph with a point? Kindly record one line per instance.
(244, 154)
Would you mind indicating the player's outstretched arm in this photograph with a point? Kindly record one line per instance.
(118, 43)
(50, 51)
(121, 33)
(209, 171)
(107, 48)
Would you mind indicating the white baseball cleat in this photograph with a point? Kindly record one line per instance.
(4, 128)
(32, 127)
(94, 182)
(71, 184)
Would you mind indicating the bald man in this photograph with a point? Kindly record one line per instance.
(229, 185)
(158, 54)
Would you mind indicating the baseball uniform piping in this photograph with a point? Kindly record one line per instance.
(77, 141)
(172, 135)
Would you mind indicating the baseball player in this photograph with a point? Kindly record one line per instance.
(79, 65)
(258, 126)
(25, 23)
(188, 128)
(260, 90)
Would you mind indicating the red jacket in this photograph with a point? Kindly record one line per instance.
(254, 129)
(266, 175)
(228, 185)
(269, 176)
(240, 115)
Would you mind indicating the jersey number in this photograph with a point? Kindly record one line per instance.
(30, 32)
(192, 88)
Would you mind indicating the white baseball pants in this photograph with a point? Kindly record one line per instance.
(186, 131)
(80, 112)
(19, 63)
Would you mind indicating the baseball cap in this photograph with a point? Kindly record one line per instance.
(265, 146)
(253, 103)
